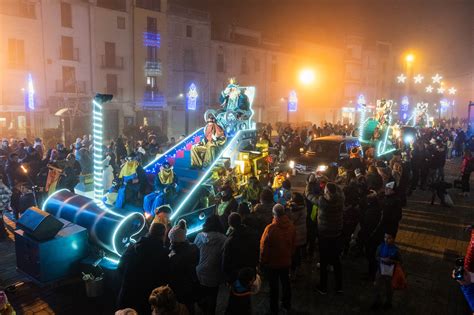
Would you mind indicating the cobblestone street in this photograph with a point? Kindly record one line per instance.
(431, 237)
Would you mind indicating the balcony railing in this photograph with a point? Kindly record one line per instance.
(75, 87)
(111, 62)
(117, 93)
(69, 54)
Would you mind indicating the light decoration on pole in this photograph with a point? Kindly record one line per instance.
(452, 91)
(192, 96)
(404, 108)
(441, 90)
(437, 78)
(97, 136)
(361, 102)
(401, 78)
(30, 94)
(292, 101)
(444, 105)
(429, 89)
(418, 78)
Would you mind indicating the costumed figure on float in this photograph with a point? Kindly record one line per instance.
(165, 189)
(204, 153)
(420, 117)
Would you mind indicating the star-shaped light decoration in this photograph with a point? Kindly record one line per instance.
(401, 78)
(418, 78)
(429, 89)
(452, 91)
(437, 78)
(441, 90)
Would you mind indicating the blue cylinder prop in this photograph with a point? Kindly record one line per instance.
(107, 229)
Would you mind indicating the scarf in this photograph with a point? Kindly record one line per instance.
(129, 168)
(166, 176)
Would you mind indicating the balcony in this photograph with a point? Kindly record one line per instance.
(69, 54)
(74, 87)
(117, 93)
(111, 62)
(153, 67)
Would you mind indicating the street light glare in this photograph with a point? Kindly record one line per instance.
(410, 58)
(307, 76)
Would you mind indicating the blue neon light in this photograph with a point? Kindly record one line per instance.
(192, 96)
(153, 99)
(292, 101)
(30, 94)
(151, 39)
(208, 171)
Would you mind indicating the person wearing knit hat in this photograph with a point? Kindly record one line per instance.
(184, 258)
(277, 246)
(177, 234)
(138, 268)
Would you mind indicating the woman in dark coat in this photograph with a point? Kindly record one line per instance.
(143, 267)
(184, 258)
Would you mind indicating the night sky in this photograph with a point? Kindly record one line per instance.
(439, 31)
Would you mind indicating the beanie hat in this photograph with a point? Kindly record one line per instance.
(278, 210)
(178, 233)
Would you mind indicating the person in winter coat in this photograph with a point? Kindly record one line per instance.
(263, 210)
(227, 205)
(466, 170)
(240, 248)
(391, 212)
(276, 249)
(313, 188)
(240, 296)
(5, 196)
(252, 191)
(209, 270)
(184, 258)
(374, 180)
(283, 194)
(297, 211)
(138, 267)
(330, 226)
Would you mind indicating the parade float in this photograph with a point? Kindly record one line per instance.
(378, 131)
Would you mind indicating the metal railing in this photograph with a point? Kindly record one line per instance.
(69, 54)
(111, 62)
(76, 87)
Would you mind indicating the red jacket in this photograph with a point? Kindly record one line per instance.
(469, 258)
(277, 244)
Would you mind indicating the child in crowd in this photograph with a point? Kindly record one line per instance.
(240, 293)
(388, 256)
(163, 302)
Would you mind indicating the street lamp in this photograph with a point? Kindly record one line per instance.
(410, 58)
(307, 76)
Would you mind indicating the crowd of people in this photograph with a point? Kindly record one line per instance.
(263, 235)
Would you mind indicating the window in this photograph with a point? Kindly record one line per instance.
(120, 22)
(112, 84)
(66, 15)
(152, 53)
(220, 62)
(110, 55)
(257, 65)
(151, 25)
(189, 31)
(188, 60)
(243, 66)
(274, 72)
(151, 82)
(67, 48)
(16, 52)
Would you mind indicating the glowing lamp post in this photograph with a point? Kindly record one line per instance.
(307, 76)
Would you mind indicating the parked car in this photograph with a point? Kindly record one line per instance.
(325, 155)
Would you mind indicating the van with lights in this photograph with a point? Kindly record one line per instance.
(324, 155)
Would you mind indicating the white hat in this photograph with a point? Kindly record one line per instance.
(357, 172)
(390, 185)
